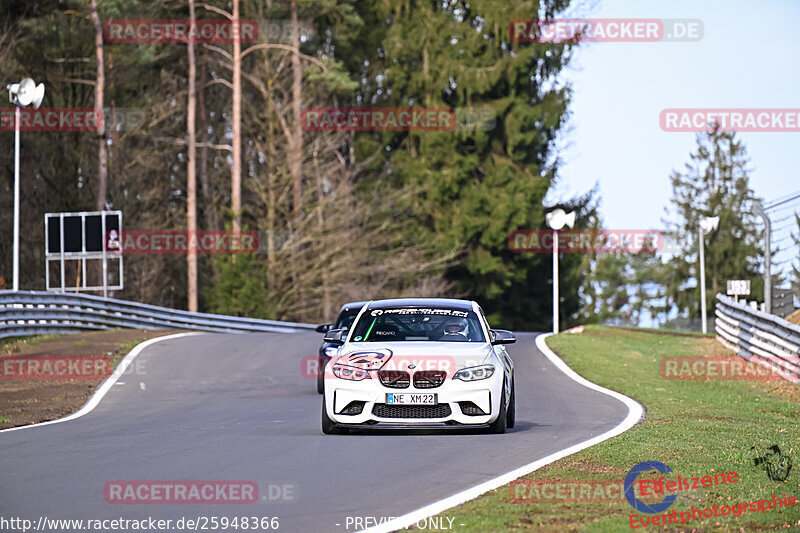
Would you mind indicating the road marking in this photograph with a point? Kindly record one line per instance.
(635, 414)
(108, 383)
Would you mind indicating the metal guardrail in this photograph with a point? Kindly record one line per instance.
(37, 313)
(782, 302)
(760, 337)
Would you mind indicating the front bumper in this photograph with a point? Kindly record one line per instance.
(455, 399)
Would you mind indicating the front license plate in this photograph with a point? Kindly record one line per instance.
(410, 399)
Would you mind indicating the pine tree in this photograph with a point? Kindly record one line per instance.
(714, 183)
(795, 276)
(475, 185)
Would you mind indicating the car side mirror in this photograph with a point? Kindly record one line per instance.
(323, 328)
(502, 336)
(335, 336)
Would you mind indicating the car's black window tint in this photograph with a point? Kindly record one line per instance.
(418, 324)
(346, 318)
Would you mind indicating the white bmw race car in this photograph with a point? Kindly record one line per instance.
(419, 363)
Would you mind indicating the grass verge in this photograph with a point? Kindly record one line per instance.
(695, 427)
(29, 401)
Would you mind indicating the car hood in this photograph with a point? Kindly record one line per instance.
(420, 355)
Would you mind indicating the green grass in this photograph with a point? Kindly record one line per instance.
(4, 420)
(12, 343)
(695, 427)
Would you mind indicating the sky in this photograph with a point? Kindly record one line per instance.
(749, 57)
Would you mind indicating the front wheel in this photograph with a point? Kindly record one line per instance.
(511, 412)
(499, 425)
(321, 375)
(328, 427)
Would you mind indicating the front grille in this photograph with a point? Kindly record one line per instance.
(470, 409)
(383, 410)
(353, 408)
(429, 379)
(394, 379)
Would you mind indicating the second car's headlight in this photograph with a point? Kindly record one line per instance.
(474, 373)
(330, 351)
(350, 372)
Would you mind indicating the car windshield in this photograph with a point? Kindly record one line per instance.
(418, 324)
(346, 318)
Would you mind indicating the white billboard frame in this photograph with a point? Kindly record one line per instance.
(61, 256)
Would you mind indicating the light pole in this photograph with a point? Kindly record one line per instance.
(557, 219)
(21, 94)
(706, 226)
(759, 209)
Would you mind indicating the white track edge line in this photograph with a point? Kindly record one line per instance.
(107, 384)
(635, 414)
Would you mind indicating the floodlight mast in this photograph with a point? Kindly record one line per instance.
(557, 219)
(21, 94)
(759, 209)
(706, 226)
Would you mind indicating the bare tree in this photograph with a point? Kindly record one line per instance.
(191, 170)
(99, 88)
(236, 168)
(297, 106)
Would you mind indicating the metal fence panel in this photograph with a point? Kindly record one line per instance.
(755, 335)
(37, 312)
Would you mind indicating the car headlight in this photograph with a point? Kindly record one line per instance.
(350, 372)
(330, 351)
(474, 373)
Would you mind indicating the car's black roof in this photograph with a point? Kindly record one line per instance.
(464, 305)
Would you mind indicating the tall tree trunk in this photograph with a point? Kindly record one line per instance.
(296, 163)
(208, 200)
(96, 271)
(191, 171)
(99, 88)
(296, 158)
(327, 308)
(236, 169)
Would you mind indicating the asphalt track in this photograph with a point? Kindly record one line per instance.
(237, 407)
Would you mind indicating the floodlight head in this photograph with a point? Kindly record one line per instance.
(38, 96)
(13, 89)
(558, 218)
(25, 93)
(709, 224)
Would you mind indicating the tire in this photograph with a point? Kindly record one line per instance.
(511, 412)
(328, 427)
(320, 376)
(499, 425)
